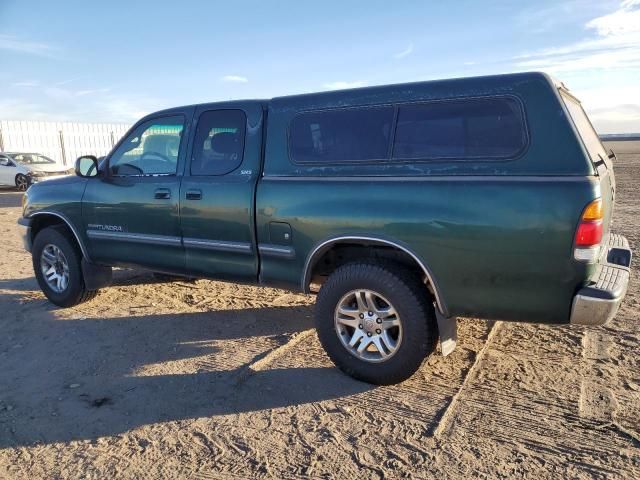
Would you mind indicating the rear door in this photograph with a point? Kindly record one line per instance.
(217, 192)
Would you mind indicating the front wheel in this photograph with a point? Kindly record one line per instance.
(22, 182)
(58, 269)
(376, 321)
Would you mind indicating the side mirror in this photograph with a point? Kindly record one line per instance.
(87, 166)
(4, 162)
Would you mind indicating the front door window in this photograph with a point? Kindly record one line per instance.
(151, 149)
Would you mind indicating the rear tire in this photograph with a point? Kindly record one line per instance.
(58, 269)
(376, 321)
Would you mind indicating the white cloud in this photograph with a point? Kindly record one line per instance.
(624, 20)
(612, 109)
(234, 79)
(125, 110)
(537, 19)
(617, 119)
(17, 45)
(71, 80)
(22, 109)
(29, 83)
(82, 93)
(610, 53)
(602, 97)
(405, 53)
(341, 85)
(55, 103)
(57, 93)
(60, 93)
(616, 45)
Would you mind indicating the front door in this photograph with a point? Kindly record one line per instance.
(217, 193)
(7, 171)
(131, 212)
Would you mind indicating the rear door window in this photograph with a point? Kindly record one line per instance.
(491, 128)
(345, 135)
(218, 145)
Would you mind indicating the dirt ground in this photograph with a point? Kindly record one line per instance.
(212, 380)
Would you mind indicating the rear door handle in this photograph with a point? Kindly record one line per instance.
(162, 194)
(194, 194)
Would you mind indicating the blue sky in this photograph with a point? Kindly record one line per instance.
(118, 60)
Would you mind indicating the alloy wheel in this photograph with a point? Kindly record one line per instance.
(55, 268)
(368, 325)
(22, 183)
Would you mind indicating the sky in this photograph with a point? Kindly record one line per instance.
(115, 61)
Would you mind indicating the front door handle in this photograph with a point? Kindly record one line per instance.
(194, 194)
(162, 194)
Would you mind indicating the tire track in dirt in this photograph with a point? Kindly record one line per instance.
(449, 412)
(364, 418)
(558, 418)
(597, 402)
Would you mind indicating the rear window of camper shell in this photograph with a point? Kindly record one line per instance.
(479, 128)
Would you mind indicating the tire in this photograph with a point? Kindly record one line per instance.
(56, 240)
(389, 284)
(22, 182)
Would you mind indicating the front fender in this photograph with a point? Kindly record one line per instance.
(60, 198)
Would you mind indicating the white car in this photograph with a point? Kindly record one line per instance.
(23, 169)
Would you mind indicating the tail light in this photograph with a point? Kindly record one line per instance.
(589, 233)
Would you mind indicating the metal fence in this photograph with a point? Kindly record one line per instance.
(61, 141)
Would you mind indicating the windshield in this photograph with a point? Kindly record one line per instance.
(32, 159)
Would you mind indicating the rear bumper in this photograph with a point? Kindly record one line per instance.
(25, 232)
(597, 302)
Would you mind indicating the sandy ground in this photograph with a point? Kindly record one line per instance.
(211, 380)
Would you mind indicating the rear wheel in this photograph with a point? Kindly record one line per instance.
(22, 182)
(58, 269)
(376, 322)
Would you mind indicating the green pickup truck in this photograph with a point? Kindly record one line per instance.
(404, 206)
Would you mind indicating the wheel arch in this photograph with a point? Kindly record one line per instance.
(318, 252)
(47, 218)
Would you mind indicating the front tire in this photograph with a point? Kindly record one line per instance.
(22, 182)
(376, 321)
(58, 270)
